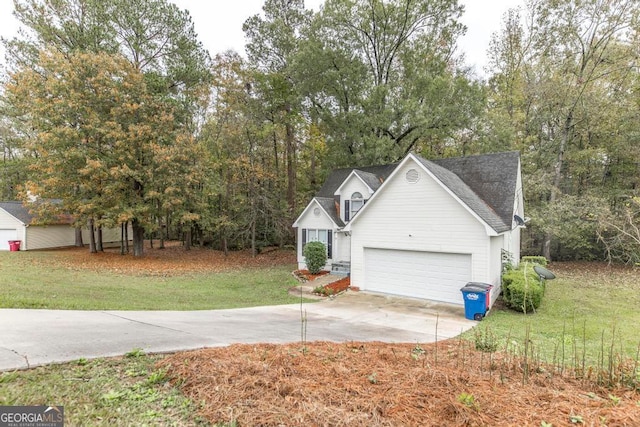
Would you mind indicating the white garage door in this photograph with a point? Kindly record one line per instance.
(5, 236)
(429, 275)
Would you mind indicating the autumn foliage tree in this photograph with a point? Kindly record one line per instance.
(103, 142)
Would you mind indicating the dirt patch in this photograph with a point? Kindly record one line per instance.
(378, 384)
(173, 260)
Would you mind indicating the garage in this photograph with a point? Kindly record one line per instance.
(5, 236)
(428, 275)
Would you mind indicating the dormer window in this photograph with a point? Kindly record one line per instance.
(356, 203)
(353, 205)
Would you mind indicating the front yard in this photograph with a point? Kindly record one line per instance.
(573, 362)
(167, 279)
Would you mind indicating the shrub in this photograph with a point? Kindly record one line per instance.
(540, 260)
(315, 256)
(521, 288)
(525, 295)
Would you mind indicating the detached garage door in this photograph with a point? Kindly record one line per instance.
(429, 275)
(5, 236)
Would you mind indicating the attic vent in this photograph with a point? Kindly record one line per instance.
(316, 211)
(412, 176)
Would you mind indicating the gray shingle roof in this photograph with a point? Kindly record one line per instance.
(493, 177)
(370, 179)
(21, 212)
(372, 175)
(463, 191)
(485, 183)
(337, 177)
(329, 205)
(17, 210)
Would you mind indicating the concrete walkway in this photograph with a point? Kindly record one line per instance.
(35, 337)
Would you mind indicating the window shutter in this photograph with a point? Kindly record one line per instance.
(347, 212)
(304, 237)
(329, 243)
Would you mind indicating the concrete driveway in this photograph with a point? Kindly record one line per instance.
(35, 337)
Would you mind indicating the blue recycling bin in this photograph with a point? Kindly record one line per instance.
(475, 301)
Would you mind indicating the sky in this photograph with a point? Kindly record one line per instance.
(219, 23)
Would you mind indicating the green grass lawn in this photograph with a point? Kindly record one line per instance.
(126, 391)
(26, 282)
(589, 312)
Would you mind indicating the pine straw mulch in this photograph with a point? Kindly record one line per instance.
(378, 384)
(338, 286)
(173, 260)
(306, 276)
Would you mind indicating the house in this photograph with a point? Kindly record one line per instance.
(16, 223)
(420, 228)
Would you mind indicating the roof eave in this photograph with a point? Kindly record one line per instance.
(353, 172)
(314, 200)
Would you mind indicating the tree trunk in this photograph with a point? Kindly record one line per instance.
(123, 227)
(138, 238)
(99, 246)
(126, 235)
(161, 237)
(79, 242)
(187, 239)
(557, 179)
(291, 163)
(92, 237)
(253, 238)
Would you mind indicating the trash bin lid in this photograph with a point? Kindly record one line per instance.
(485, 286)
(472, 288)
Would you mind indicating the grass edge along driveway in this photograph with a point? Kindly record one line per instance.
(32, 280)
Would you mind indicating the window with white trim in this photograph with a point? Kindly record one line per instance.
(318, 235)
(357, 202)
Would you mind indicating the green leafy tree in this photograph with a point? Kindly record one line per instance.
(157, 39)
(382, 79)
(273, 41)
(561, 90)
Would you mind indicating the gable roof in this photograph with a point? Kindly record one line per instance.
(18, 211)
(369, 174)
(485, 184)
(463, 191)
(328, 205)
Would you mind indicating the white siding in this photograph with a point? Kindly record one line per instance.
(495, 264)
(49, 236)
(344, 253)
(110, 236)
(321, 222)
(350, 186)
(60, 236)
(421, 216)
(10, 229)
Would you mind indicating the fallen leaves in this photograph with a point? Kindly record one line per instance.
(378, 384)
(170, 261)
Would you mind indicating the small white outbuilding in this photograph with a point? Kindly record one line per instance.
(16, 223)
